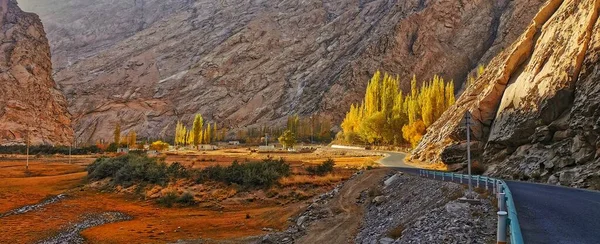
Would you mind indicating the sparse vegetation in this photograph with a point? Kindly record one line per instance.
(247, 175)
(129, 169)
(49, 150)
(167, 200)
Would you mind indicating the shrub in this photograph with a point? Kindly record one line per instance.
(168, 200)
(159, 146)
(128, 169)
(48, 150)
(176, 170)
(247, 175)
(322, 169)
(186, 199)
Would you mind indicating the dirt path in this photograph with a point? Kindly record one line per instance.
(342, 227)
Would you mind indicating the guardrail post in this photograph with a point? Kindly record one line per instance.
(502, 201)
(499, 187)
(501, 234)
(434, 175)
(478, 179)
(494, 185)
(452, 176)
(443, 176)
(461, 178)
(486, 184)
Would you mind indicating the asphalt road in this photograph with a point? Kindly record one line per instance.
(554, 214)
(547, 214)
(394, 160)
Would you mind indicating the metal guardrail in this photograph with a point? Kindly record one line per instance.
(508, 212)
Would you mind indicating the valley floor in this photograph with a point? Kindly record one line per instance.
(52, 202)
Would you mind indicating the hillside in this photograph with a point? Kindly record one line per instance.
(30, 103)
(536, 108)
(244, 63)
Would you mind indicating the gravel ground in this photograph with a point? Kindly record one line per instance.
(72, 234)
(411, 209)
(34, 207)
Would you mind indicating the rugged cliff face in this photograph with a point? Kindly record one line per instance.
(29, 100)
(244, 63)
(536, 109)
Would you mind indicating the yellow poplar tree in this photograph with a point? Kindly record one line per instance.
(207, 133)
(117, 133)
(197, 129)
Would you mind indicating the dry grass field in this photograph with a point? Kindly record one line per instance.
(225, 214)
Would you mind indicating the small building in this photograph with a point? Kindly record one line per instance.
(207, 147)
(235, 143)
(270, 148)
(152, 153)
(123, 150)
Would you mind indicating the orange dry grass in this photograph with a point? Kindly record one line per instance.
(314, 180)
(151, 224)
(17, 190)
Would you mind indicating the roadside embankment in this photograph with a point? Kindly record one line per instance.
(380, 206)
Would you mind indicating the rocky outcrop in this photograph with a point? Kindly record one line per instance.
(242, 63)
(29, 100)
(536, 108)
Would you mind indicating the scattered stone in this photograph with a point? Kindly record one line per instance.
(35, 207)
(378, 200)
(72, 234)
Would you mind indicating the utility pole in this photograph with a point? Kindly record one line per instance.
(27, 165)
(468, 122)
(312, 130)
(70, 147)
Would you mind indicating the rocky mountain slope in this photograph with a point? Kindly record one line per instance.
(241, 62)
(29, 99)
(536, 109)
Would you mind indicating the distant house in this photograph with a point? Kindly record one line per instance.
(234, 143)
(207, 147)
(123, 150)
(270, 148)
(152, 153)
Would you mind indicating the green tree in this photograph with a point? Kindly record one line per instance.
(287, 139)
(197, 129)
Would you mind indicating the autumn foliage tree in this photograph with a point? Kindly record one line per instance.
(387, 116)
(117, 134)
(197, 129)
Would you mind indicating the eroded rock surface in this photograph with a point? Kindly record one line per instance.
(244, 63)
(536, 109)
(30, 102)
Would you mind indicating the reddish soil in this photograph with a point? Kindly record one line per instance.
(226, 219)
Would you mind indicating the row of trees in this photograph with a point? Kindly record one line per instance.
(305, 129)
(198, 134)
(386, 111)
(130, 138)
